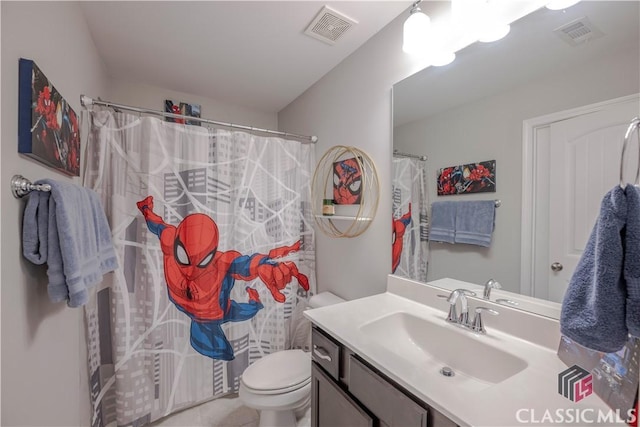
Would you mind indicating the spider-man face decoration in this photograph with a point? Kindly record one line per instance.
(347, 182)
(195, 245)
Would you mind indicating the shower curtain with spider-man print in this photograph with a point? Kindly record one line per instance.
(214, 236)
(409, 245)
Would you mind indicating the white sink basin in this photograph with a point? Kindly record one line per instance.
(434, 343)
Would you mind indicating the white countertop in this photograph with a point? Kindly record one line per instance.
(530, 395)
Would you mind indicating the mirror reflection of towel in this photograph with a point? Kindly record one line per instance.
(475, 221)
(443, 222)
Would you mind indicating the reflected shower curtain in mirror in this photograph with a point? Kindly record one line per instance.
(214, 236)
(410, 218)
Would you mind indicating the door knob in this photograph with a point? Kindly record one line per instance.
(556, 266)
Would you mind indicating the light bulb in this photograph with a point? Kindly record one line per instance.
(439, 59)
(415, 31)
(561, 4)
(491, 25)
(494, 33)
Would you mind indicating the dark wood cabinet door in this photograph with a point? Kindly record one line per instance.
(331, 406)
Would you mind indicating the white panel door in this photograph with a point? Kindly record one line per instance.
(584, 166)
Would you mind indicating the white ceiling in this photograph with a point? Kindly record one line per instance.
(252, 54)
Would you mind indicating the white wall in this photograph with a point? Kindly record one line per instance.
(492, 129)
(351, 105)
(44, 368)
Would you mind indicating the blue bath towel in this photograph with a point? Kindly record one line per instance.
(443, 222)
(67, 229)
(593, 309)
(631, 269)
(475, 221)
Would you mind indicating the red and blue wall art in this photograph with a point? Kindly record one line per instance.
(192, 110)
(347, 182)
(465, 179)
(48, 129)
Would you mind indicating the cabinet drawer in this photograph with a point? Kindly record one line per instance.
(390, 405)
(326, 353)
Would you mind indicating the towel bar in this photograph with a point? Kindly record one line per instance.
(633, 126)
(21, 186)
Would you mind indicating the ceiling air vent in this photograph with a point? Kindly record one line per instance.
(328, 25)
(579, 31)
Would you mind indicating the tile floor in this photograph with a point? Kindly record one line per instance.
(223, 412)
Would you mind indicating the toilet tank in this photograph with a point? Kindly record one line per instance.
(323, 299)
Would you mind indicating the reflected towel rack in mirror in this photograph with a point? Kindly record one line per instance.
(498, 202)
(21, 186)
(633, 126)
(413, 156)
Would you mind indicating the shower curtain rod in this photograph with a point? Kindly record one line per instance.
(86, 101)
(413, 156)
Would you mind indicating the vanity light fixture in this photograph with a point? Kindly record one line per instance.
(440, 59)
(495, 33)
(415, 30)
(561, 4)
(492, 26)
(480, 19)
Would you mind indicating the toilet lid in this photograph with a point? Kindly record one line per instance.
(283, 370)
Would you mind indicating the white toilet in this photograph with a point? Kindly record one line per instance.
(279, 384)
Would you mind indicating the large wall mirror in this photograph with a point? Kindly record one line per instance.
(477, 108)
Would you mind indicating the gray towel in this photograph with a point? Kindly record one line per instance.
(67, 229)
(631, 269)
(443, 222)
(34, 230)
(593, 309)
(475, 221)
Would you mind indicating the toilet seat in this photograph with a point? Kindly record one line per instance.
(277, 373)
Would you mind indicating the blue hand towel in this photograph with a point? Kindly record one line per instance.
(593, 309)
(67, 229)
(632, 260)
(34, 231)
(475, 221)
(443, 222)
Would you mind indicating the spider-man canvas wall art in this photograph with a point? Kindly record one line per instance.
(470, 178)
(347, 182)
(200, 277)
(182, 108)
(48, 129)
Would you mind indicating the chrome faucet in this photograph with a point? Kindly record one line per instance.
(491, 284)
(478, 325)
(461, 294)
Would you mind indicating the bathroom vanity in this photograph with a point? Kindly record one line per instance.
(393, 359)
(347, 391)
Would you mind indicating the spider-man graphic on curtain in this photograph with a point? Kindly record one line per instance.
(397, 238)
(200, 278)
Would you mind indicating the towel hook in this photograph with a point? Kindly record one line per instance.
(634, 125)
(21, 186)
